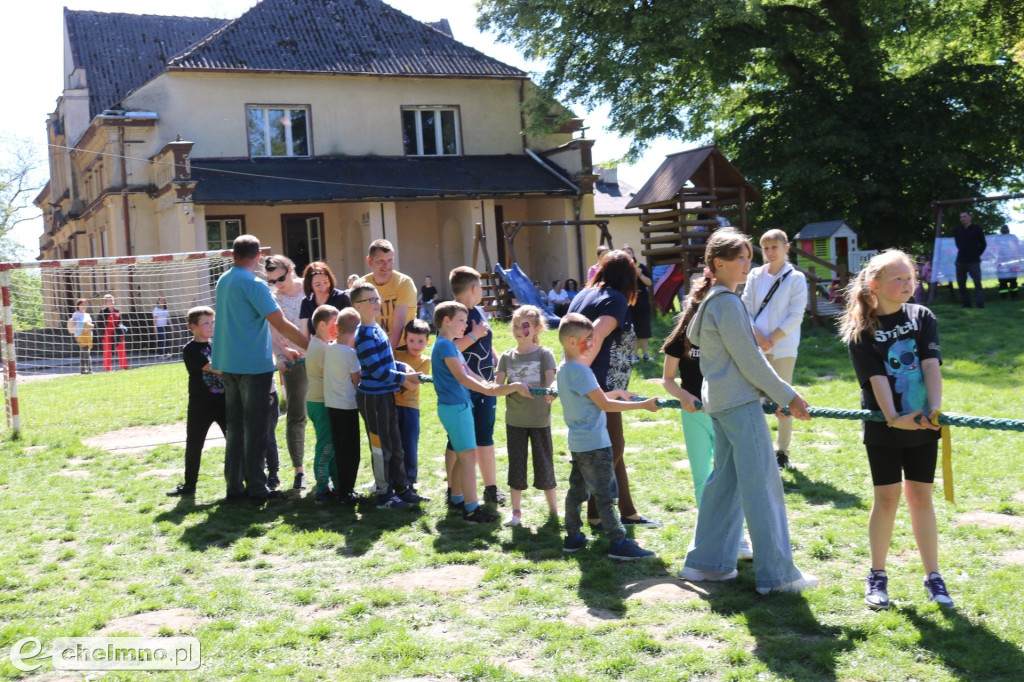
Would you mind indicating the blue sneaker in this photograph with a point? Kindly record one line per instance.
(876, 591)
(391, 501)
(575, 543)
(627, 550)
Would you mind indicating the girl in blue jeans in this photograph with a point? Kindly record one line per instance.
(745, 481)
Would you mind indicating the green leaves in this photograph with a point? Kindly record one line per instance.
(863, 109)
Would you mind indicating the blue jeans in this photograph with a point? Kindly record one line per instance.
(246, 397)
(409, 426)
(974, 270)
(593, 474)
(745, 482)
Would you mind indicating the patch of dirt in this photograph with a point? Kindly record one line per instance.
(519, 666)
(77, 461)
(991, 520)
(73, 473)
(314, 612)
(150, 623)
(705, 643)
(441, 579)
(663, 589)
(34, 448)
(140, 438)
(1014, 556)
(590, 617)
(681, 464)
(1018, 496)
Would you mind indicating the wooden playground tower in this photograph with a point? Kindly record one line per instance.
(682, 202)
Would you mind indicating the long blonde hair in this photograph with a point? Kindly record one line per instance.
(861, 312)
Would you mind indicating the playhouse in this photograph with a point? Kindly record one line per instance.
(834, 241)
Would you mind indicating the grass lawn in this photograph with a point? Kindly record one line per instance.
(298, 591)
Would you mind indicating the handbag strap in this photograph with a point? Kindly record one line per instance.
(771, 292)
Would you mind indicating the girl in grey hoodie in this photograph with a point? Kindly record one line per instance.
(745, 481)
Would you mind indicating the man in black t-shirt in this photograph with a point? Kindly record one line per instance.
(970, 245)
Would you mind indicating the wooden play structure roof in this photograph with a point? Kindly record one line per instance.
(684, 200)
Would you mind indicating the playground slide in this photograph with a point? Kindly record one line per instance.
(524, 291)
(667, 285)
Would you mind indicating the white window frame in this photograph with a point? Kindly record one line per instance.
(289, 142)
(224, 243)
(438, 129)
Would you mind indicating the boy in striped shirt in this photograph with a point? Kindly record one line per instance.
(381, 377)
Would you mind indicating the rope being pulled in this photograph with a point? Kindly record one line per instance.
(835, 413)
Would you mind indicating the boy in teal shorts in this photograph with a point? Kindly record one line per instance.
(452, 382)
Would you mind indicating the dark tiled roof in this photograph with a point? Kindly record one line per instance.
(356, 178)
(610, 198)
(120, 52)
(338, 36)
(820, 230)
(677, 169)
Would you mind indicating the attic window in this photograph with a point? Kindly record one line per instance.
(278, 130)
(431, 131)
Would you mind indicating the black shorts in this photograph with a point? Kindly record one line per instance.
(894, 464)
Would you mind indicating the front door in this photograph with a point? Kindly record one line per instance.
(303, 239)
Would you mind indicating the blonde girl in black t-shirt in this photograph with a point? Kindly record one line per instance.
(894, 346)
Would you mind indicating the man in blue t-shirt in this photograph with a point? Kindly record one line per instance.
(244, 356)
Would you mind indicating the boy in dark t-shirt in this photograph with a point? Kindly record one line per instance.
(205, 396)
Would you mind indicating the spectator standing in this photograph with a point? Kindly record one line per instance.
(244, 356)
(397, 292)
(289, 294)
(428, 300)
(80, 326)
(970, 245)
(114, 332)
(641, 310)
(1008, 264)
(318, 284)
(161, 322)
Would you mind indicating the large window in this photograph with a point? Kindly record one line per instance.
(431, 131)
(221, 232)
(278, 131)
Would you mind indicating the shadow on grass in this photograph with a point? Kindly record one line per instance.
(967, 647)
(821, 492)
(789, 640)
(225, 523)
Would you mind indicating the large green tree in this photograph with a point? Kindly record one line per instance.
(859, 109)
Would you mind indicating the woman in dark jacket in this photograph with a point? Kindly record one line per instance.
(318, 285)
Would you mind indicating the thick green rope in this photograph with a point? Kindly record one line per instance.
(835, 413)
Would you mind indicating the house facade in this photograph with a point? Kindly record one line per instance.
(315, 125)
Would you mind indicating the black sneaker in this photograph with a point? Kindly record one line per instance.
(300, 481)
(782, 459)
(876, 591)
(479, 515)
(277, 495)
(182, 490)
(935, 586)
(234, 498)
(492, 494)
(273, 482)
(349, 500)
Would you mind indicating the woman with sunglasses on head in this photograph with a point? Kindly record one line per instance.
(318, 283)
(287, 290)
(605, 301)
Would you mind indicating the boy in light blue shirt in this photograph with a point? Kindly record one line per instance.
(584, 404)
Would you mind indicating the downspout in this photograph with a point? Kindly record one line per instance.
(124, 192)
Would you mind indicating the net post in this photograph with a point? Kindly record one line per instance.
(9, 355)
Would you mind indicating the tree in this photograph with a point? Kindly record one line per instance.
(865, 110)
(17, 189)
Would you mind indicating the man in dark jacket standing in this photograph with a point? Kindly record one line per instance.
(970, 244)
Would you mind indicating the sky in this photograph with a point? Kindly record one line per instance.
(31, 52)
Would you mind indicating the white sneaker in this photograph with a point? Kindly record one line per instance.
(804, 582)
(695, 576)
(746, 552)
(514, 521)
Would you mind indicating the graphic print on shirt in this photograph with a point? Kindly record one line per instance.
(904, 366)
(526, 371)
(213, 382)
(620, 360)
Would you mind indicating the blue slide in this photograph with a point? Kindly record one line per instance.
(524, 291)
